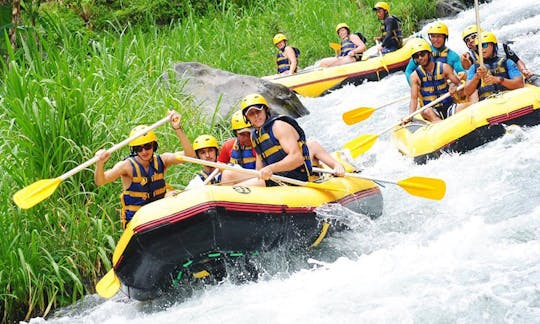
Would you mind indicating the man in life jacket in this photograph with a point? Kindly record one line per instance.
(469, 58)
(497, 74)
(286, 57)
(279, 141)
(430, 81)
(143, 173)
(206, 148)
(391, 38)
(438, 35)
(239, 151)
(351, 50)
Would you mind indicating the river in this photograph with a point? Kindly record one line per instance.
(473, 257)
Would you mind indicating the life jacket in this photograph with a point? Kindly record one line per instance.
(346, 46)
(396, 34)
(282, 62)
(497, 67)
(242, 156)
(474, 56)
(432, 86)
(270, 151)
(440, 55)
(145, 187)
(203, 175)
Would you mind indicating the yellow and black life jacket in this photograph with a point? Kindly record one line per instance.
(145, 187)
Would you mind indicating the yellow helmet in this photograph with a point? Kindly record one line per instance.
(487, 37)
(382, 5)
(342, 25)
(204, 141)
(279, 37)
(148, 137)
(438, 27)
(250, 100)
(238, 121)
(419, 45)
(469, 30)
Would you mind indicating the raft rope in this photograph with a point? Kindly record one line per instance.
(203, 273)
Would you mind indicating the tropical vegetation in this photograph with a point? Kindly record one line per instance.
(77, 75)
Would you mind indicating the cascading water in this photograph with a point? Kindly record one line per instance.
(473, 257)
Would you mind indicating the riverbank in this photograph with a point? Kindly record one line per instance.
(68, 92)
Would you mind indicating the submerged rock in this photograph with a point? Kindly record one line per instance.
(220, 91)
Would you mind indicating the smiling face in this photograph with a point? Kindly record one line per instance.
(469, 40)
(280, 44)
(256, 116)
(343, 33)
(144, 152)
(422, 58)
(437, 40)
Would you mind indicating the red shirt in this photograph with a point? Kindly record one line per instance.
(226, 149)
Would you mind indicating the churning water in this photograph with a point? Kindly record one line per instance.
(473, 257)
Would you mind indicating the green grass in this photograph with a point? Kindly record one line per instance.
(65, 94)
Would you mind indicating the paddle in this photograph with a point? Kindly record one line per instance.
(479, 33)
(336, 47)
(363, 143)
(381, 56)
(359, 114)
(211, 176)
(430, 188)
(256, 173)
(40, 190)
(109, 285)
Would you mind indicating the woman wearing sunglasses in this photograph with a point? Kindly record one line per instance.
(143, 172)
(497, 74)
(430, 81)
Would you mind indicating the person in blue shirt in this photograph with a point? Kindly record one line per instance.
(470, 57)
(497, 74)
(438, 34)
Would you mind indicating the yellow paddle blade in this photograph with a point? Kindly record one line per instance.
(31, 195)
(361, 144)
(324, 186)
(109, 285)
(336, 47)
(431, 188)
(357, 115)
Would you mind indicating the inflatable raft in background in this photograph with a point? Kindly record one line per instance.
(321, 80)
(478, 124)
(176, 240)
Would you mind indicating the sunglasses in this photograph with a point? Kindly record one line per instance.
(419, 54)
(485, 45)
(147, 146)
(469, 38)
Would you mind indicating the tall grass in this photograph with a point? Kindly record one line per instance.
(66, 94)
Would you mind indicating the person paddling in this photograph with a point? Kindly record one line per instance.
(496, 75)
(391, 38)
(431, 80)
(143, 172)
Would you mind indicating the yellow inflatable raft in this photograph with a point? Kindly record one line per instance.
(319, 81)
(476, 125)
(176, 239)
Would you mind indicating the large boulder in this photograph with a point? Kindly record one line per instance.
(213, 88)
